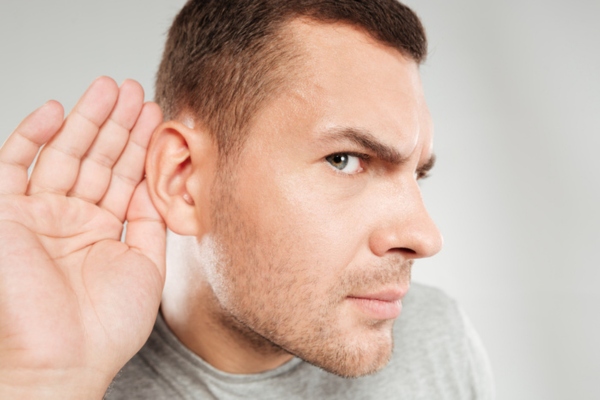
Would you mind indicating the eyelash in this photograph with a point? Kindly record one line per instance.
(422, 175)
(364, 158)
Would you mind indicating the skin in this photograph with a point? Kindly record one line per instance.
(284, 248)
(76, 303)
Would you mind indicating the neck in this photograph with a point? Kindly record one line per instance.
(193, 313)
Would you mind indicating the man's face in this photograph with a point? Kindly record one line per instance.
(319, 219)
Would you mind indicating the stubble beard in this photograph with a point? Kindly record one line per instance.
(273, 312)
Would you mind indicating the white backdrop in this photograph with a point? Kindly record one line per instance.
(514, 88)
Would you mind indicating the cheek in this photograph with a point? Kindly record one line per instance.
(303, 228)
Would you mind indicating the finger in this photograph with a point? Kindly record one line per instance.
(129, 169)
(20, 149)
(96, 167)
(58, 163)
(146, 230)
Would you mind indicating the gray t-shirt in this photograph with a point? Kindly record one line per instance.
(437, 355)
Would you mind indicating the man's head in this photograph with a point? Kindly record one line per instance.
(304, 237)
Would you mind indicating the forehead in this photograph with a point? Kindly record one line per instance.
(347, 79)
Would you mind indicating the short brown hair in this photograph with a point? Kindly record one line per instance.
(224, 58)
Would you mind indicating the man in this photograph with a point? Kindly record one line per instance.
(287, 169)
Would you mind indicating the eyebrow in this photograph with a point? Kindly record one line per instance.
(382, 151)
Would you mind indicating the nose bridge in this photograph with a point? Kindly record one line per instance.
(404, 223)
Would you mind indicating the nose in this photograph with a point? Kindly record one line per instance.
(405, 226)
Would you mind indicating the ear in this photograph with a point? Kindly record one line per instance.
(180, 168)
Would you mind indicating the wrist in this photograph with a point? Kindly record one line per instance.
(53, 384)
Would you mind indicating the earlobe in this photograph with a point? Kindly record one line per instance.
(178, 170)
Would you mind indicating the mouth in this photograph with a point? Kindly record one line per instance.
(382, 305)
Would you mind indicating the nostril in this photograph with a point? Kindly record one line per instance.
(407, 250)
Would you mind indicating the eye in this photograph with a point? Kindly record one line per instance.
(420, 175)
(345, 163)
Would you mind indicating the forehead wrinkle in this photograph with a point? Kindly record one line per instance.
(366, 140)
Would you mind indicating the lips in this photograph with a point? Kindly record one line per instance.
(382, 305)
(385, 295)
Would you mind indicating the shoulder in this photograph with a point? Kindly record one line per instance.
(428, 297)
(148, 375)
(427, 307)
(139, 380)
(437, 346)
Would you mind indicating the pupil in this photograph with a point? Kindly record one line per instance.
(340, 160)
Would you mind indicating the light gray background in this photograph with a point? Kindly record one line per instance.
(514, 88)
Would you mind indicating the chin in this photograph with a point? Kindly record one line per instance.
(357, 357)
(355, 365)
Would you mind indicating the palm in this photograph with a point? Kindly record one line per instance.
(72, 295)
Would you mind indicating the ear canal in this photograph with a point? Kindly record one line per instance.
(188, 199)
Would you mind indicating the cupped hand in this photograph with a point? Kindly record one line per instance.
(76, 302)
